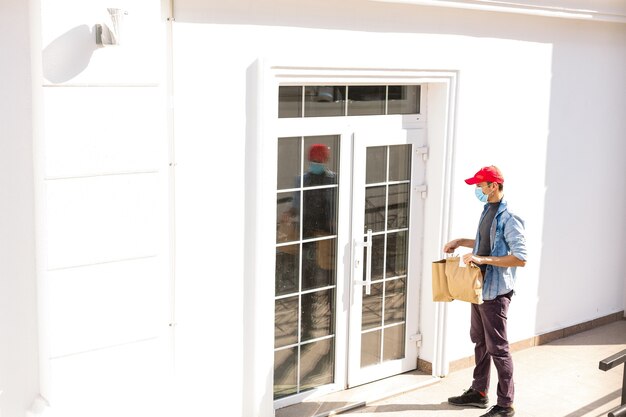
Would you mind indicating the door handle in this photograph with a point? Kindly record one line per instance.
(368, 265)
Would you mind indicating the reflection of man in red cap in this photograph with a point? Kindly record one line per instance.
(499, 247)
(318, 156)
(319, 153)
(319, 209)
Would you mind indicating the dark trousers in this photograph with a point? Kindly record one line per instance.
(488, 332)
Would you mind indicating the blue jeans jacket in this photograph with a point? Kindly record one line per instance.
(507, 238)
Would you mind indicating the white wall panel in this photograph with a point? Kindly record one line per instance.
(104, 305)
(103, 130)
(123, 381)
(102, 219)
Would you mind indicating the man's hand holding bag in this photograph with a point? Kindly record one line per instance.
(464, 283)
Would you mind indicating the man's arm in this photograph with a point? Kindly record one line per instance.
(453, 244)
(502, 261)
(514, 236)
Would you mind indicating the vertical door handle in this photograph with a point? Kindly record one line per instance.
(368, 266)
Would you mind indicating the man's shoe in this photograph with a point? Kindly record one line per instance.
(497, 411)
(471, 398)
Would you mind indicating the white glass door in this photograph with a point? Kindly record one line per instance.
(387, 212)
(335, 182)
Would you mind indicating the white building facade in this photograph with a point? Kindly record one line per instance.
(160, 252)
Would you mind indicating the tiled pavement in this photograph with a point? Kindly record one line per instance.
(559, 379)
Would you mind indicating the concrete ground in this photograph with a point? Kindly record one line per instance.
(559, 379)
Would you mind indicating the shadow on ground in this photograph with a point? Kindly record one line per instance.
(388, 408)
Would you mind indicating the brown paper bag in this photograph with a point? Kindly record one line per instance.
(440, 282)
(288, 231)
(325, 253)
(464, 283)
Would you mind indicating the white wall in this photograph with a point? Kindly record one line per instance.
(586, 140)
(102, 177)
(19, 370)
(535, 97)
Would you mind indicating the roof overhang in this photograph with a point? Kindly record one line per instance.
(605, 11)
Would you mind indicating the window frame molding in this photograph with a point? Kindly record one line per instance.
(264, 77)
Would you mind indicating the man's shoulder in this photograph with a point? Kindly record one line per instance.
(507, 214)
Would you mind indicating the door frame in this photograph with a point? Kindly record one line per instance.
(330, 126)
(362, 140)
(263, 79)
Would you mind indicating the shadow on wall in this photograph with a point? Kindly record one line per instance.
(69, 54)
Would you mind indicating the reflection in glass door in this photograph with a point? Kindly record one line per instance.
(386, 214)
(306, 273)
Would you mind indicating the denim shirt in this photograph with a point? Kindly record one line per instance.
(507, 238)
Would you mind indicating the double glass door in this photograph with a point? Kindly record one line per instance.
(348, 222)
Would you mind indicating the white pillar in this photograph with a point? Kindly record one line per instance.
(19, 370)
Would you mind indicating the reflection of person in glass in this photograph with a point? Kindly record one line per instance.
(318, 219)
(318, 263)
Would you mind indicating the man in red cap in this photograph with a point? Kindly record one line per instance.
(498, 249)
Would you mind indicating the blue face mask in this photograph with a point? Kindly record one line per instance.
(316, 168)
(482, 197)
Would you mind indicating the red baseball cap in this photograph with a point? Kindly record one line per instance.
(486, 174)
(319, 153)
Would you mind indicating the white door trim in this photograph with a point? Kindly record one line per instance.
(263, 79)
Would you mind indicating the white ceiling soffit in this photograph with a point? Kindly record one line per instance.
(606, 11)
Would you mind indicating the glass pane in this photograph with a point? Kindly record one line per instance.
(375, 208)
(290, 101)
(378, 257)
(394, 343)
(319, 212)
(285, 372)
(398, 208)
(317, 364)
(286, 321)
(329, 157)
(289, 153)
(370, 348)
(366, 100)
(287, 210)
(403, 99)
(317, 314)
(318, 263)
(399, 163)
(376, 165)
(396, 254)
(287, 260)
(372, 310)
(324, 101)
(395, 301)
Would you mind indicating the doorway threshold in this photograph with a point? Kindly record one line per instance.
(342, 401)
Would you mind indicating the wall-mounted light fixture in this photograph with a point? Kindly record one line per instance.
(110, 32)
